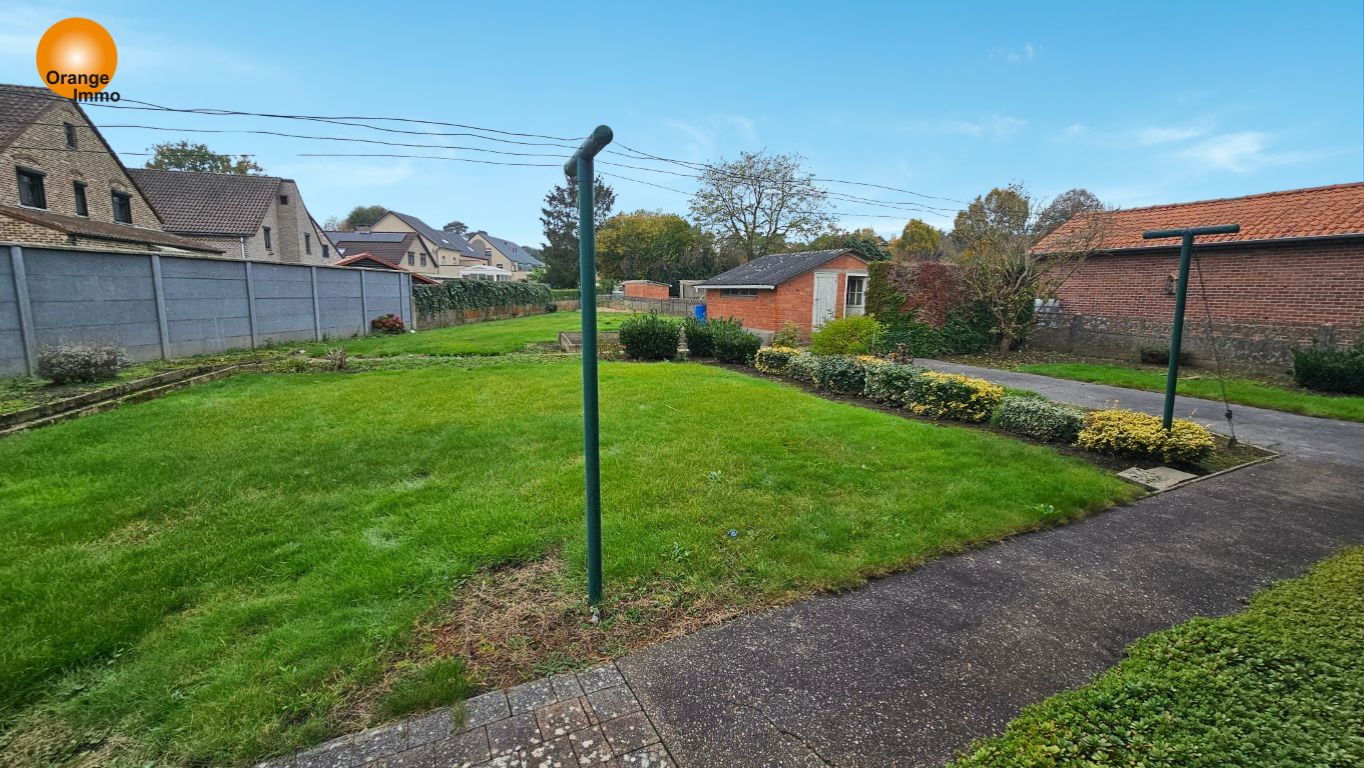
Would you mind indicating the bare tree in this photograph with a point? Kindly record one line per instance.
(759, 201)
(1011, 259)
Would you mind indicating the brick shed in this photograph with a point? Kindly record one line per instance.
(807, 289)
(645, 289)
(1293, 276)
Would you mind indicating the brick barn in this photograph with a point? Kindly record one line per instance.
(808, 289)
(1292, 277)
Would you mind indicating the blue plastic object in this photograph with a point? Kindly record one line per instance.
(700, 312)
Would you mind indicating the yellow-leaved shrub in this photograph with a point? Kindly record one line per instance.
(1130, 433)
(953, 396)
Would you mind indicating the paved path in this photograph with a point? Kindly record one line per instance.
(910, 668)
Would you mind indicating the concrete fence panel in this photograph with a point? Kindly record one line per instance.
(155, 305)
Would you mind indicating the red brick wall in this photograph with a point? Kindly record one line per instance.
(643, 290)
(1265, 300)
(1320, 284)
(793, 300)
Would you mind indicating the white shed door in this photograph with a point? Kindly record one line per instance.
(826, 297)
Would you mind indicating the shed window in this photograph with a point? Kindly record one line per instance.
(267, 237)
(31, 192)
(738, 292)
(123, 207)
(82, 207)
(70, 134)
(857, 291)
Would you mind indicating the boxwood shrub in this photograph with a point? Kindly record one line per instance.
(953, 396)
(842, 374)
(774, 360)
(1141, 435)
(649, 337)
(73, 363)
(803, 368)
(700, 337)
(1038, 418)
(732, 344)
(1330, 370)
(890, 382)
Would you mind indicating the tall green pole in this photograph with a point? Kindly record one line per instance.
(580, 166)
(1177, 331)
(1181, 292)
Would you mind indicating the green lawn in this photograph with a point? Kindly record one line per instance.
(206, 578)
(494, 337)
(1239, 390)
(1278, 686)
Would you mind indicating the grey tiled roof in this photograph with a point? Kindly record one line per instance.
(439, 237)
(337, 236)
(774, 269)
(512, 251)
(194, 203)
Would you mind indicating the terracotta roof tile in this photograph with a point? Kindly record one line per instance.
(1296, 213)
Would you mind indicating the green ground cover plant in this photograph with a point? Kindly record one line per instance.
(1280, 685)
(219, 574)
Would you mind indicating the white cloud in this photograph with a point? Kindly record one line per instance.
(1016, 56)
(1242, 152)
(704, 138)
(1164, 134)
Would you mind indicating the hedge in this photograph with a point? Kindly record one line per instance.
(1039, 418)
(1330, 370)
(846, 336)
(463, 295)
(731, 343)
(650, 337)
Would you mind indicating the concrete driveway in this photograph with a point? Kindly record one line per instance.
(910, 668)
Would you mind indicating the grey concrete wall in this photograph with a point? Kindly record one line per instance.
(156, 305)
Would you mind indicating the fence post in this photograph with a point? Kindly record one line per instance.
(20, 275)
(317, 315)
(159, 292)
(250, 304)
(364, 306)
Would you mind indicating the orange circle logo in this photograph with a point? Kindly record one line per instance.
(77, 57)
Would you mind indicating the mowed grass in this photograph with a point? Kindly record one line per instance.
(1280, 684)
(494, 337)
(1239, 390)
(204, 579)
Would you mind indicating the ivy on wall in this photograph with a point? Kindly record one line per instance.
(463, 295)
(924, 310)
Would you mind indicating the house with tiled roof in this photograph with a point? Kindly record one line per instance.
(807, 289)
(405, 249)
(451, 250)
(1292, 277)
(367, 260)
(505, 254)
(262, 218)
(62, 185)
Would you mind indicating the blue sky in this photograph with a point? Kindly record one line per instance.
(1141, 103)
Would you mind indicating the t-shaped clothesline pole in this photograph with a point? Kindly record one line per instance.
(580, 167)
(1181, 290)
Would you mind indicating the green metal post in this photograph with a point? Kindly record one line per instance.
(1177, 330)
(1181, 292)
(580, 166)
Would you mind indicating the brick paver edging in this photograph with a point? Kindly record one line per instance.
(590, 718)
